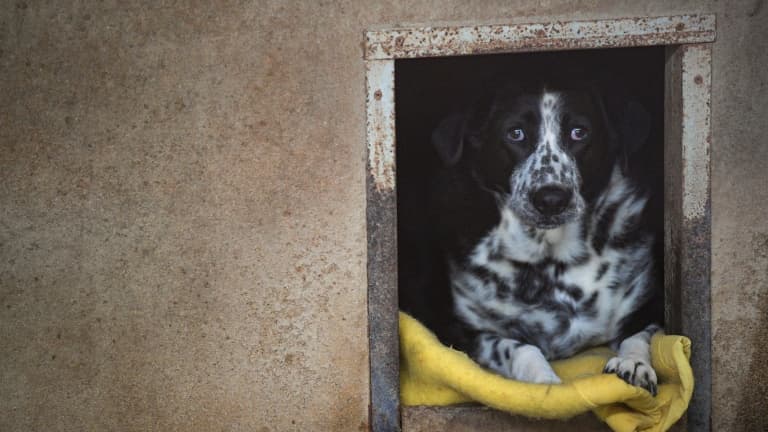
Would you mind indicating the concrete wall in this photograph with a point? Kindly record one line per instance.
(182, 222)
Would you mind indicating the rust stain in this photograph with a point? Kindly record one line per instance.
(464, 40)
(696, 79)
(380, 122)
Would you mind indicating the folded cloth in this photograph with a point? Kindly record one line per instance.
(433, 374)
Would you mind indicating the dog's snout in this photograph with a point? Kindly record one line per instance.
(551, 200)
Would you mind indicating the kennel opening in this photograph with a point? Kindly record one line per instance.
(686, 77)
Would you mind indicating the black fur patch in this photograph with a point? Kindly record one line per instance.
(604, 221)
(604, 266)
(572, 290)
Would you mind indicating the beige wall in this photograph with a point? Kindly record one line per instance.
(182, 221)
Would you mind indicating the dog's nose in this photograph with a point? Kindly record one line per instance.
(551, 200)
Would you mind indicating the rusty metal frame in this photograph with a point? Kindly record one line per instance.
(381, 217)
(687, 213)
(687, 184)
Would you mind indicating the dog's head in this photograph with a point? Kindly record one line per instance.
(544, 152)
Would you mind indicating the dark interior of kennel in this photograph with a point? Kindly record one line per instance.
(428, 90)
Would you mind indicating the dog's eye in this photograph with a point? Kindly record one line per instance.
(515, 134)
(579, 133)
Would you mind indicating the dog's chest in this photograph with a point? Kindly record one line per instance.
(544, 305)
(551, 289)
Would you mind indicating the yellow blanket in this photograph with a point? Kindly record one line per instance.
(433, 374)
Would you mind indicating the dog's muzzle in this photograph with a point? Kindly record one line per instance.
(551, 200)
(549, 206)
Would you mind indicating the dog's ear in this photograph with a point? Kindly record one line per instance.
(458, 133)
(448, 139)
(635, 127)
(602, 102)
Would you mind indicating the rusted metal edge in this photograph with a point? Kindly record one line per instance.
(695, 235)
(382, 310)
(380, 122)
(381, 218)
(687, 214)
(696, 89)
(695, 314)
(560, 35)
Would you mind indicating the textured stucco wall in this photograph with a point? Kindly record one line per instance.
(739, 222)
(182, 209)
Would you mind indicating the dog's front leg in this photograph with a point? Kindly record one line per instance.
(514, 359)
(633, 362)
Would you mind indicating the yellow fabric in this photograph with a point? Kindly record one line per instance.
(433, 374)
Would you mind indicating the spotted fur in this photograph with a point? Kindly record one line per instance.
(545, 280)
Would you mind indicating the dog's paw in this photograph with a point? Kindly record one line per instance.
(633, 371)
(544, 377)
(529, 365)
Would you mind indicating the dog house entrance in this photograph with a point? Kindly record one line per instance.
(415, 77)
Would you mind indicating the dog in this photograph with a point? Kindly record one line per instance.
(543, 235)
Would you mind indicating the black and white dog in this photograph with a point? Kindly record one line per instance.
(547, 251)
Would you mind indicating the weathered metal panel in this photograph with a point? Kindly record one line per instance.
(381, 216)
(687, 214)
(696, 88)
(695, 242)
(465, 40)
(380, 120)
